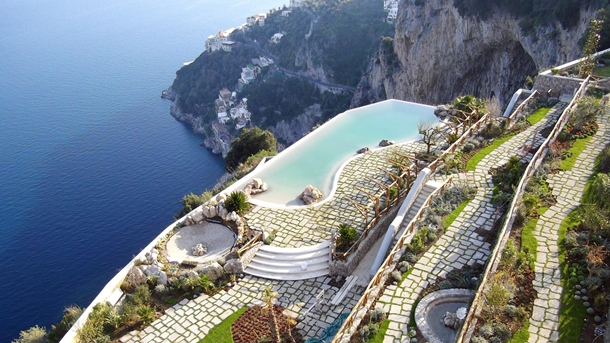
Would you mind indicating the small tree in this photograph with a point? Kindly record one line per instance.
(428, 135)
(590, 47)
(71, 315)
(269, 298)
(248, 143)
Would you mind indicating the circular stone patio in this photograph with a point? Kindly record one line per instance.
(216, 237)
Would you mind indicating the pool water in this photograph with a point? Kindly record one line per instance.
(315, 159)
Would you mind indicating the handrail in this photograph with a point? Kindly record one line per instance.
(520, 108)
(494, 260)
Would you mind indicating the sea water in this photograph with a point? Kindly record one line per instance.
(92, 166)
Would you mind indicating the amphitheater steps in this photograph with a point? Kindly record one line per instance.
(290, 263)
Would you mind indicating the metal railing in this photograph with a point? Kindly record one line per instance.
(492, 265)
(517, 111)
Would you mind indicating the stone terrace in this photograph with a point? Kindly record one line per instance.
(190, 321)
(463, 243)
(568, 187)
(310, 225)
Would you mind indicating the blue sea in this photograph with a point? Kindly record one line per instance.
(92, 166)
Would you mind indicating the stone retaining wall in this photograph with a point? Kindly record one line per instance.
(557, 84)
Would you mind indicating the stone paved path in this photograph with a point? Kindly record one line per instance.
(462, 244)
(568, 187)
(190, 321)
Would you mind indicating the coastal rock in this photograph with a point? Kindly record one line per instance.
(310, 195)
(162, 279)
(206, 211)
(234, 266)
(152, 271)
(220, 198)
(213, 212)
(222, 212)
(135, 276)
(213, 271)
(257, 183)
(199, 250)
(363, 150)
(385, 142)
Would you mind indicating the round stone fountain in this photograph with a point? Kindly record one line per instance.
(439, 315)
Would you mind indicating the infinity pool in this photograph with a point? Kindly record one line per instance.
(315, 159)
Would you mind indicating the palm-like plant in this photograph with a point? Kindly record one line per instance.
(269, 297)
(236, 201)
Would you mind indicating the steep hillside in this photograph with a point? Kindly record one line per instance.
(441, 51)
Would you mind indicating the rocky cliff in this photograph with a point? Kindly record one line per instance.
(438, 54)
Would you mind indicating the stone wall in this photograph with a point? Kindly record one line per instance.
(557, 84)
(345, 268)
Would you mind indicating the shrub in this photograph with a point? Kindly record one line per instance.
(501, 331)
(141, 295)
(35, 334)
(377, 315)
(409, 257)
(404, 266)
(347, 237)
(479, 339)
(146, 314)
(486, 330)
(248, 143)
(397, 276)
(468, 147)
(236, 201)
(71, 315)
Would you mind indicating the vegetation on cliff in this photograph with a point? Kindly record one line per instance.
(249, 143)
(531, 13)
(327, 41)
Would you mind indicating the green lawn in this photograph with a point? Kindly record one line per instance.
(538, 115)
(380, 335)
(529, 243)
(572, 312)
(522, 335)
(602, 71)
(454, 214)
(578, 147)
(476, 158)
(221, 333)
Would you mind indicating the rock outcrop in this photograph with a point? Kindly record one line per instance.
(438, 54)
(310, 195)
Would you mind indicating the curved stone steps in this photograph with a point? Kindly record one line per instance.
(290, 263)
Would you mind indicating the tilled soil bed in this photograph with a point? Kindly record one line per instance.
(253, 326)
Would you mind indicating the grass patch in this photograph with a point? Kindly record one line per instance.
(602, 71)
(412, 316)
(522, 335)
(221, 333)
(451, 217)
(480, 155)
(578, 147)
(380, 335)
(529, 243)
(572, 313)
(538, 115)
(407, 273)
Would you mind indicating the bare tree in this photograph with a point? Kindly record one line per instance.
(429, 136)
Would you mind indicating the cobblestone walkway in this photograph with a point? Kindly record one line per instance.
(464, 242)
(568, 187)
(307, 226)
(190, 321)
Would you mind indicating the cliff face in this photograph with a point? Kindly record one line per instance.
(439, 54)
(293, 130)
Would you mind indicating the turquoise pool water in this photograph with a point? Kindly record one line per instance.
(315, 159)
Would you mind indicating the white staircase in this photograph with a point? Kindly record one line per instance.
(423, 195)
(290, 263)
